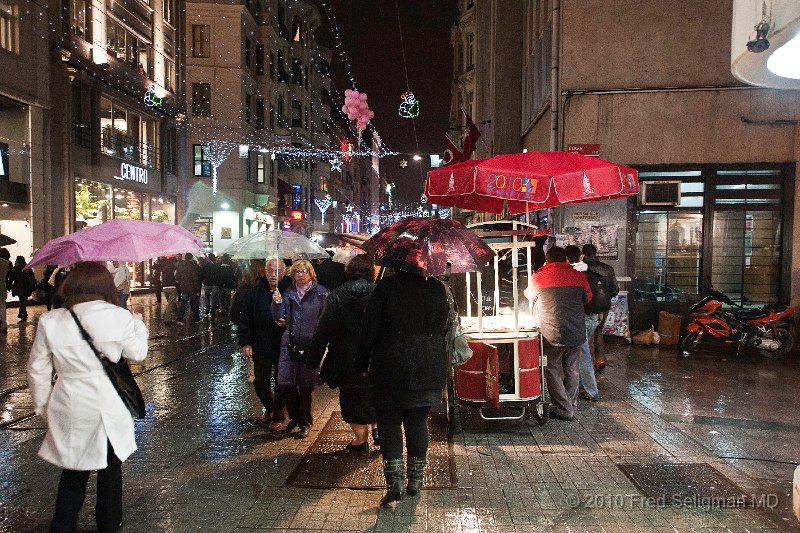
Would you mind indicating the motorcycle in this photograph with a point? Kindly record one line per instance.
(764, 328)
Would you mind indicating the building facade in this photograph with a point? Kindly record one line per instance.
(717, 158)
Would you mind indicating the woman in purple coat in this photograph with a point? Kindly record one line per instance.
(299, 308)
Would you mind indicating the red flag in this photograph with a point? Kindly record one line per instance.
(470, 141)
(451, 152)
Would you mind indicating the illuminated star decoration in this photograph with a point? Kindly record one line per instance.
(336, 164)
(409, 107)
(323, 205)
(444, 213)
(150, 98)
(403, 163)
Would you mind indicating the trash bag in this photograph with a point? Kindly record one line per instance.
(646, 337)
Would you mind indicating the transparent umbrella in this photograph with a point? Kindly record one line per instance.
(268, 244)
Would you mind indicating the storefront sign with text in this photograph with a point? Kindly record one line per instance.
(129, 172)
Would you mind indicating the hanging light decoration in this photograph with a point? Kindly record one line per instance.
(409, 105)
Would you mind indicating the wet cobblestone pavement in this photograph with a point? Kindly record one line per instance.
(205, 462)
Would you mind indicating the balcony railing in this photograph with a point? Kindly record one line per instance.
(120, 144)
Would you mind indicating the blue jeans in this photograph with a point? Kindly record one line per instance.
(186, 298)
(588, 379)
(123, 299)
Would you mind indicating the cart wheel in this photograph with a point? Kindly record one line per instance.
(540, 411)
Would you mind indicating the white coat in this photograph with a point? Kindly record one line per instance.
(83, 410)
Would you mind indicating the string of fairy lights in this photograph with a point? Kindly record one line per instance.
(217, 127)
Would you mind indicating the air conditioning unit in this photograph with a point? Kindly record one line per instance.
(661, 193)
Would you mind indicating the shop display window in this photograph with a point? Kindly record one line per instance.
(92, 203)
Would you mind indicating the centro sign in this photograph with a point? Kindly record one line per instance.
(129, 172)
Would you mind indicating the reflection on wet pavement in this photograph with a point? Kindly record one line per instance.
(206, 462)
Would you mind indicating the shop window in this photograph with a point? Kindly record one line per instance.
(323, 183)
(297, 114)
(202, 164)
(150, 142)
(117, 138)
(297, 71)
(742, 257)
(201, 99)
(8, 25)
(261, 169)
(92, 203)
(81, 15)
(127, 204)
(201, 40)
(668, 253)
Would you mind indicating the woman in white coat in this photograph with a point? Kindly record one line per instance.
(89, 427)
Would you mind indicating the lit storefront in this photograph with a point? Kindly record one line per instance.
(15, 175)
(122, 189)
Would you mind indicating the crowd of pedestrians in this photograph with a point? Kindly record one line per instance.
(383, 345)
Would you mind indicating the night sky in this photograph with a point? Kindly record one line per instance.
(371, 37)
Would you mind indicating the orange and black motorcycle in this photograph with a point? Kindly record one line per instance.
(764, 328)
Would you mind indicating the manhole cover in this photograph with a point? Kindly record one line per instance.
(325, 465)
(685, 485)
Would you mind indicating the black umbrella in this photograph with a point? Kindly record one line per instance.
(5, 240)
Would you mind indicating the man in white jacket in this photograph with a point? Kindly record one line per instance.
(122, 279)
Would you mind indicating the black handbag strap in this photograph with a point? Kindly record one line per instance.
(86, 335)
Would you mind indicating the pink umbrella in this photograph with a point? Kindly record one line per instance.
(118, 240)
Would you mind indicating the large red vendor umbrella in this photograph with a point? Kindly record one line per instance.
(528, 181)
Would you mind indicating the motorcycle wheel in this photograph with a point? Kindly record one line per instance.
(689, 342)
(787, 342)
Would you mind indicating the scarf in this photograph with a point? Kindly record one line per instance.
(303, 289)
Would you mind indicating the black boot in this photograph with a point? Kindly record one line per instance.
(416, 467)
(393, 471)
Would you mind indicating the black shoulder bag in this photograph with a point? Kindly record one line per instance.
(295, 349)
(120, 375)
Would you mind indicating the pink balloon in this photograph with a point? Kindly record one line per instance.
(344, 109)
(348, 92)
(351, 116)
(370, 114)
(363, 106)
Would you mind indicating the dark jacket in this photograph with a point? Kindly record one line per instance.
(209, 273)
(226, 276)
(338, 329)
(302, 317)
(402, 341)
(605, 270)
(558, 293)
(21, 282)
(166, 272)
(188, 276)
(330, 274)
(257, 327)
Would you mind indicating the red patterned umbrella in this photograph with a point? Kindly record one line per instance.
(528, 181)
(429, 247)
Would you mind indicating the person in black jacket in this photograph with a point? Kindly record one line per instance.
(226, 284)
(330, 274)
(337, 330)
(260, 338)
(22, 283)
(402, 344)
(607, 271)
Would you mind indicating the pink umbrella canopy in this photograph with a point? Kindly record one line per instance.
(118, 240)
(528, 181)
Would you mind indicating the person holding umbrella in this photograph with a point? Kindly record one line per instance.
(88, 425)
(299, 309)
(402, 346)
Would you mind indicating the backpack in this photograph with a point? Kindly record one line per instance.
(601, 297)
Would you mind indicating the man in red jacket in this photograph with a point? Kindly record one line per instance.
(558, 293)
